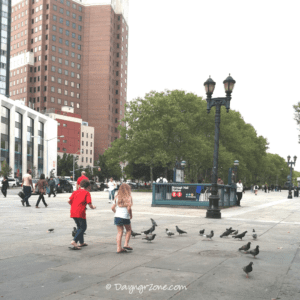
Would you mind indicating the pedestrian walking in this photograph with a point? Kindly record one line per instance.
(266, 188)
(239, 192)
(161, 179)
(82, 177)
(123, 214)
(52, 187)
(4, 186)
(111, 190)
(78, 201)
(255, 189)
(220, 181)
(27, 187)
(279, 188)
(41, 184)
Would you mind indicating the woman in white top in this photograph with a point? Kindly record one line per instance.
(111, 189)
(239, 192)
(123, 215)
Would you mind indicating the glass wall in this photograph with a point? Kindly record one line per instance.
(5, 21)
(4, 135)
(41, 149)
(30, 140)
(18, 145)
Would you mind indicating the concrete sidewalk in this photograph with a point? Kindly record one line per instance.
(35, 264)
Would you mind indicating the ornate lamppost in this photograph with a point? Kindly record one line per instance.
(290, 164)
(213, 210)
(236, 164)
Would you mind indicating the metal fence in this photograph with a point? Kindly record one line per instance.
(191, 194)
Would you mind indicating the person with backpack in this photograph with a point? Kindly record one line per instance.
(161, 179)
(52, 187)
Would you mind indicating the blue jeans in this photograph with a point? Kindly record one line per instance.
(27, 192)
(111, 195)
(81, 228)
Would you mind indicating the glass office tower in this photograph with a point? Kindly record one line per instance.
(5, 21)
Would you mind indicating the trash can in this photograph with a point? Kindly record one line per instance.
(296, 193)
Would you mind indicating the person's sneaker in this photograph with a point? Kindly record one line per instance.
(28, 205)
(22, 201)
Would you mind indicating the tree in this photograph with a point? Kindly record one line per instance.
(6, 170)
(109, 168)
(171, 126)
(65, 164)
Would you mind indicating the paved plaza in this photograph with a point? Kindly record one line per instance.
(36, 264)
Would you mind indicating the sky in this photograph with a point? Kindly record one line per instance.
(178, 44)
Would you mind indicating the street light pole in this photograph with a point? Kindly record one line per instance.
(290, 164)
(236, 164)
(47, 145)
(213, 211)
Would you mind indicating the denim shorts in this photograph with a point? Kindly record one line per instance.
(121, 221)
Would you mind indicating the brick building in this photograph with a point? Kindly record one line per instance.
(78, 136)
(72, 53)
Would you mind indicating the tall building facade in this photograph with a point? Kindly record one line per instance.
(5, 20)
(72, 53)
(28, 139)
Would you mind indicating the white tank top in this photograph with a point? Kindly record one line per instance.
(121, 212)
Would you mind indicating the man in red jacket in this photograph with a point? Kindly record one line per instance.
(82, 177)
(78, 201)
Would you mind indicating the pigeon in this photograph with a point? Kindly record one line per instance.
(134, 233)
(226, 233)
(51, 230)
(150, 238)
(240, 236)
(202, 231)
(209, 236)
(153, 222)
(254, 235)
(149, 231)
(254, 252)
(74, 231)
(235, 232)
(248, 269)
(180, 231)
(245, 247)
(169, 233)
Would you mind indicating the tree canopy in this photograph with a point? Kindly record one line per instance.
(163, 127)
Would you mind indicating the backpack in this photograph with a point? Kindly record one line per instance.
(161, 180)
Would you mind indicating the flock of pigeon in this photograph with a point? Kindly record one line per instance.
(235, 234)
(149, 236)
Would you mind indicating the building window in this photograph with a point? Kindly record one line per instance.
(53, 38)
(59, 101)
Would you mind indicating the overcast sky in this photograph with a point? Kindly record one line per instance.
(177, 44)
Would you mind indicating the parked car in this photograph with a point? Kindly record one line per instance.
(102, 186)
(94, 186)
(36, 189)
(63, 185)
(12, 182)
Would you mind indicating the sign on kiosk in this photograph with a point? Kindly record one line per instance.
(184, 193)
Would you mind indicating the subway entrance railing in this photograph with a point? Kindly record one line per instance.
(191, 194)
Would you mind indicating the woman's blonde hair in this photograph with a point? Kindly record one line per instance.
(124, 196)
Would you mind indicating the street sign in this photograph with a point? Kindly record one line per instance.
(184, 193)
